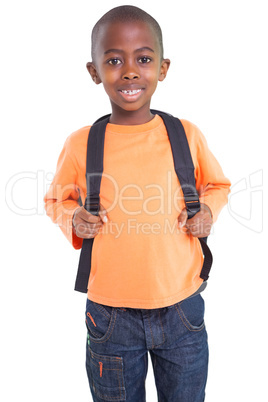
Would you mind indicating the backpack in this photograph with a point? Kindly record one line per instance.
(184, 168)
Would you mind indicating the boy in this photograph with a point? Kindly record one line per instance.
(144, 286)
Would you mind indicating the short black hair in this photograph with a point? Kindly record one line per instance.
(126, 14)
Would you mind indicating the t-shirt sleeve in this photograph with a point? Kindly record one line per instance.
(212, 185)
(61, 200)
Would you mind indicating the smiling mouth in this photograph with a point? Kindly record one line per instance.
(130, 92)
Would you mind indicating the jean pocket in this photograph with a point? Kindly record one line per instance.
(105, 375)
(100, 321)
(191, 312)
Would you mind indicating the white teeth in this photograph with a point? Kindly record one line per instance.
(135, 91)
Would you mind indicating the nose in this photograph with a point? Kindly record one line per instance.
(130, 76)
(130, 72)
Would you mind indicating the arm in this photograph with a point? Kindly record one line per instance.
(61, 200)
(213, 187)
(62, 206)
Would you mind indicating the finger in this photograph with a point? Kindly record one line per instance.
(182, 219)
(200, 218)
(201, 229)
(103, 214)
(88, 217)
(74, 216)
(206, 208)
(87, 231)
(86, 226)
(86, 236)
(193, 223)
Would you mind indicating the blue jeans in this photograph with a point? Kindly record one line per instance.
(118, 340)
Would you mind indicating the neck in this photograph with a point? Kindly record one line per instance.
(130, 118)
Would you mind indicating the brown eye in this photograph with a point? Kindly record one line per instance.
(145, 60)
(114, 62)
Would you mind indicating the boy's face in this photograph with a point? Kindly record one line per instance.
(128, 63)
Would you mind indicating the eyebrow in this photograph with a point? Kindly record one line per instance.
(121, 51)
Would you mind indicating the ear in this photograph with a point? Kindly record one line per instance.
(164, 69)
(93, 72)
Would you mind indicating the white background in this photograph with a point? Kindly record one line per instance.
(217, 80)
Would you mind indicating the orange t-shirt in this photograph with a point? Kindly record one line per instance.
(140, 258)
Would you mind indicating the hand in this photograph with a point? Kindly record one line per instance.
(198, 226)
(86, 225)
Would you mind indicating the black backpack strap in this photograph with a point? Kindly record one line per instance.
(208, 259)
(183, 162)
(184, 168)
(94, 170)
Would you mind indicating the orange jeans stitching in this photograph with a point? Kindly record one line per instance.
(89, 315)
